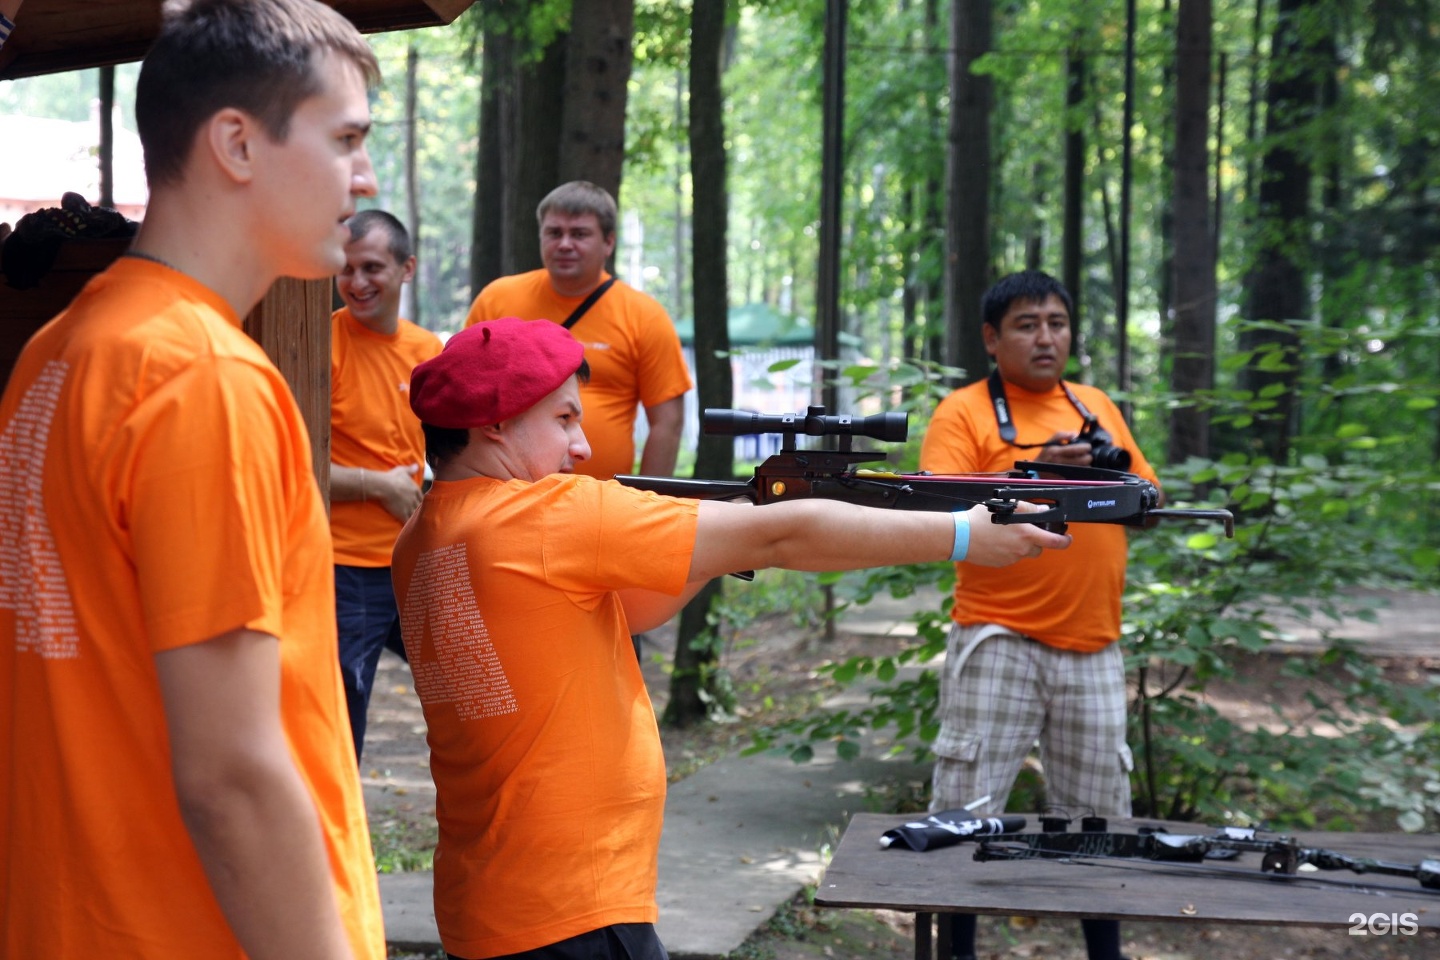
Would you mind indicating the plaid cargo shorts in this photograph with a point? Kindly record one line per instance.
(1000, 693)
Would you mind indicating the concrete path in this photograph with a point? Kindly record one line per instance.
(745, 834)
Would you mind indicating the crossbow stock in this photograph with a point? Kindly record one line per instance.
(1067, 494)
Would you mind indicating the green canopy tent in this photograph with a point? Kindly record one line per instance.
(761, 325)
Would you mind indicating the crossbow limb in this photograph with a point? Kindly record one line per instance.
(1068, 494)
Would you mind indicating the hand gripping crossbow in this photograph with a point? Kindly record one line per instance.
(1281, 856)
(1068, 494)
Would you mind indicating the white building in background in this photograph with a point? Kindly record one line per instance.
(42, 159)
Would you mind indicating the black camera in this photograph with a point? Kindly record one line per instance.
(1103, 453)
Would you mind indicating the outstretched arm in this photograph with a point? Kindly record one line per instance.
(831, 535)
(245, 805)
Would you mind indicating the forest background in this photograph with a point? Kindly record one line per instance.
(1244, 195)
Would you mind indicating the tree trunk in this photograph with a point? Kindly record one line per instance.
(1072, 243)
(533, 169)
(1275, 286)
(714, 380)
(1193, 283)
(968, 184)
(107, 136)
(412, 177)
(496, 124)
(597, 76)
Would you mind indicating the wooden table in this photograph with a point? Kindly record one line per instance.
(864, 874)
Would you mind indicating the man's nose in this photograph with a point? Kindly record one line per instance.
(580, 447)
(362, 178)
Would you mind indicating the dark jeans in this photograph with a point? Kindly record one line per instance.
(368, 623)
(619, 941)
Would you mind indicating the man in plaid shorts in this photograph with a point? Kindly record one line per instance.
(1032, 651)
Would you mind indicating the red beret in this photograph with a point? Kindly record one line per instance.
(493, 371)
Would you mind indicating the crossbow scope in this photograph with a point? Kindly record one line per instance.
(814, 423)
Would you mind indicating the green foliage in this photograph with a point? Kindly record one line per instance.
(447, 95)
(732, 614)
(1349, 512)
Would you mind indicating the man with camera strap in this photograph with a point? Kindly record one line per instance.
(1032, 650)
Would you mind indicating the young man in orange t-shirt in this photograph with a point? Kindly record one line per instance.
(1032, 651)
(173, 742)
(631, 345)
(377, 451)
(519, 584)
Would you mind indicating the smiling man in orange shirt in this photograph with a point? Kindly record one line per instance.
(377, 451)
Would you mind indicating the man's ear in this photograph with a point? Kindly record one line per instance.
(228, 136)
(491, 431)
(991, 337)
(407, 272)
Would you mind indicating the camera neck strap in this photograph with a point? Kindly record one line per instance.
(1002, 407)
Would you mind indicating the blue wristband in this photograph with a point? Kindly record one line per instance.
(962, 536)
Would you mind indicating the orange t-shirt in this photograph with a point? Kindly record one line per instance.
(549, 775)
(155, 491)
(630, 344)
(1069, 599)
(372, 426)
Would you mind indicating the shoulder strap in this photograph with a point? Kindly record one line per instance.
(1002, 407)
(589, 302)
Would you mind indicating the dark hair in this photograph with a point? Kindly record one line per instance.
(442, 443)
(257, 56)
(397, 236)
(1030, 286)
(577, 198)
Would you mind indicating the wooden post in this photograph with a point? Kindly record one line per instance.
(292, 323)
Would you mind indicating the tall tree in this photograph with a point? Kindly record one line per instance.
(1072, 242)
(968, 175)
(107, 136)
(1193, 283)
(714, 379)
(553, 109)
(411, 307)
(519, 155)
(488, 234)
(597, 75)
(1276, 294)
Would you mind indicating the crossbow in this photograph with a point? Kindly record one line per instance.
(1281, 855)
(1067, 494)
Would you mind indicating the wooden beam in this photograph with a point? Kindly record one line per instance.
(58, 35)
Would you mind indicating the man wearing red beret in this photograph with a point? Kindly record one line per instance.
(519, 583)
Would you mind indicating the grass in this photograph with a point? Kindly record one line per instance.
(402, 845)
